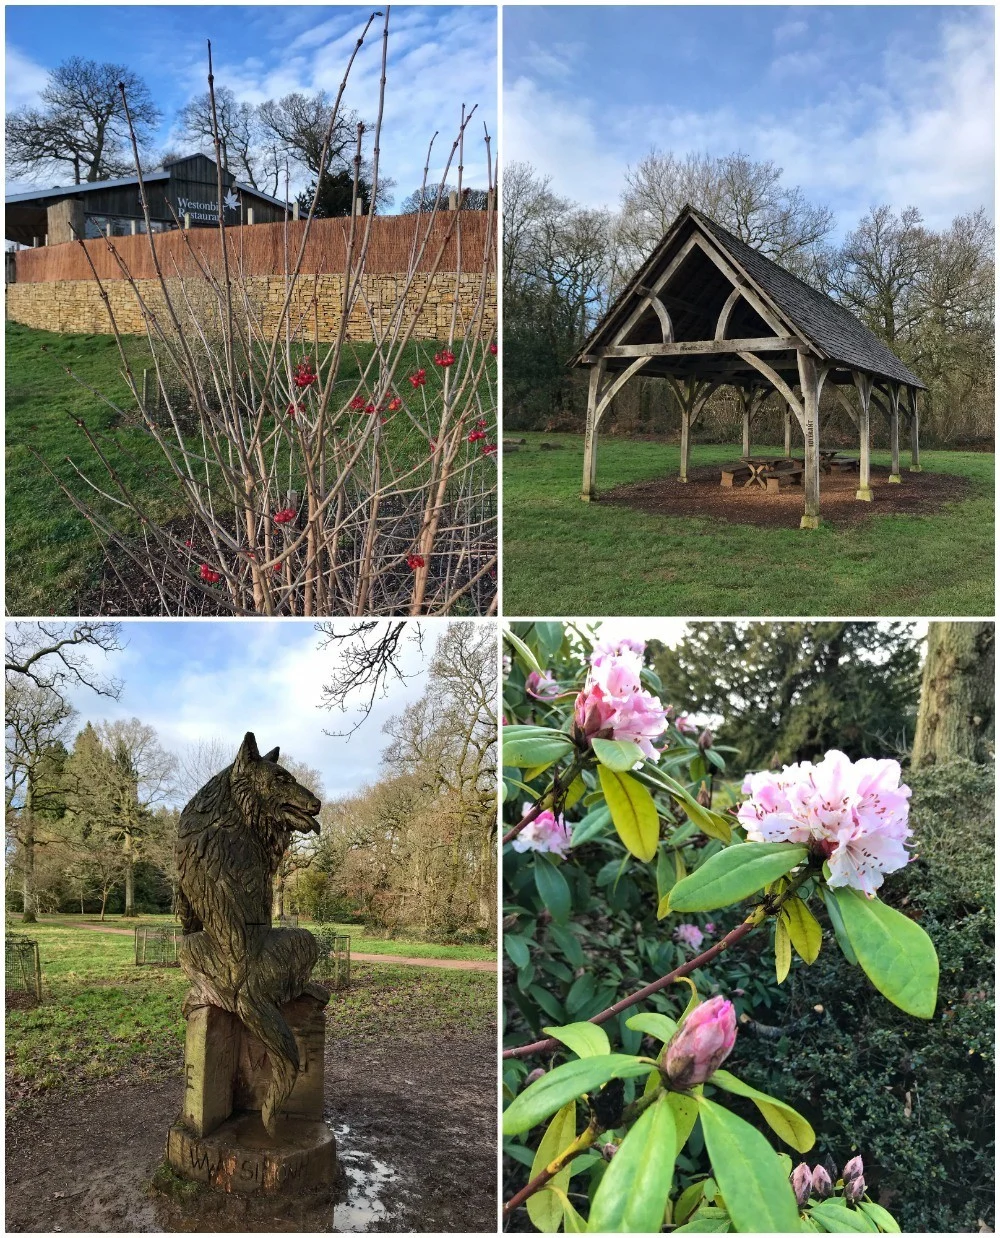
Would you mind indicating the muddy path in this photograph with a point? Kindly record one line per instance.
(416, 1138)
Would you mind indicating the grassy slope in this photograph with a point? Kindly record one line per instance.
(52, 552)
(102, 1014)
(596, 559)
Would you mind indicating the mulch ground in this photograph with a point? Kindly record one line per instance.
(415, 1124)
(919, 494)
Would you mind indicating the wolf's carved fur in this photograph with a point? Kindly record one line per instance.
(230, 841)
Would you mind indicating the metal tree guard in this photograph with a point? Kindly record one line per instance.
(22, 966)
(156, 947)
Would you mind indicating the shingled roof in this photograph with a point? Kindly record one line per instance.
(834, 333)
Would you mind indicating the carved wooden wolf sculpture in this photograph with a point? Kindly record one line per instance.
(230, 841)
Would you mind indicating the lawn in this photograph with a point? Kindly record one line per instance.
(53, 554)
(566, 557)
(102, 1015)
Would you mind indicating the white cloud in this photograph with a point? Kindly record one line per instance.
(920, 134)
(24, 79)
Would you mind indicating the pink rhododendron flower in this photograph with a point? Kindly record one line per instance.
(689, 935)
(708, 928)
(546, 833)
(853, 813)
(613, 703)
(684, 726)
(702, 1044)
(541, 686)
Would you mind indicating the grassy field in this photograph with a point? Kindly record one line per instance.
(361, 942)
(52, 552)
(565, 557)
(102, 1015)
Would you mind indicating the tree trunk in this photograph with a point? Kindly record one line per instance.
(129, 886)
(104, 901)
(28, 852)
(956, 715)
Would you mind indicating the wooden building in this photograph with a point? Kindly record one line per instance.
(705, 310)
(183, 191)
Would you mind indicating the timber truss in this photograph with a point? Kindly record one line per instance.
(706, 311)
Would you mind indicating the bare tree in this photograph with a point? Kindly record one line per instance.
(56, 656)
(297, 124)
(82, 123)
(247, 151)
(369, 660)
(201, 761)
(744, 195)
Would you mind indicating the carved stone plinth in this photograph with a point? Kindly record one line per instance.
(220, 1138)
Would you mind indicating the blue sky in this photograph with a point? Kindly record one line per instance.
(859, 105)
(217, 679)
(439, 58)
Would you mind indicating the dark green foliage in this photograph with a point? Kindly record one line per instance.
(791, 691)
(864, 1064)
(336, 196)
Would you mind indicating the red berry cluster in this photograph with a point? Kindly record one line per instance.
(419, 379)
(286, 514)
(414, 561)
(304, 375)
(444, 358)
(208, 575)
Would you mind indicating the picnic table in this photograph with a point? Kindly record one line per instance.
(764, 472)
(831, 458)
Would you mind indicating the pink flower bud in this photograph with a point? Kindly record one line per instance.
(854, 1189)
(705, 739)
(822, 1187)
(853, 1169)
(801, 1180)
(536, 1074)
(541, 686)
(702, 1044)
(608, 1150)
(593, 712)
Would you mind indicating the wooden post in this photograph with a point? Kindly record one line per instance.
(809, 381)
(453, 200)
(187, 221)
(687, 405)
(134, 227)
(590, 441)
(295, 209)
(747, 399)
(894, 433)
(914, 432)
(864, 386)
(359, 207)
(788, 430)
(249, 214)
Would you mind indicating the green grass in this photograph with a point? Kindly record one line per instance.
(52, 552)
(360, 942)
(102, 1015)
(565, 557)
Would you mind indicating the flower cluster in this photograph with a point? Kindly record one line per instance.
(541, 686)
(853, 813)
(613, 703)
(444, 358)
(816, 1183)
(689, 935)
(304, 375)
(546, 833)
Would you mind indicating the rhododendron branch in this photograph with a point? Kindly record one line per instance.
(559, 785)
(770, 906)
(580, 1144)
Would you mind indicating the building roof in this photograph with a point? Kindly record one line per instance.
(833, 332)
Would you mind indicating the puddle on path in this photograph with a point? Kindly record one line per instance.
(373, 1193)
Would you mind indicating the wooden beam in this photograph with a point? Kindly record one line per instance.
(590, 439)
(779, 383)
(811, 380)
(724, 313)
(616, 385)
(864, 386)
(738, 280)
(914, 432)
(656, 288)
(687, 348)
(894, 393)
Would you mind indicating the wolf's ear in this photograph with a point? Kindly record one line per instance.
(247, 754)
(270, 756)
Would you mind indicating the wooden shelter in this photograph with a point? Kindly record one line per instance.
(705, 310)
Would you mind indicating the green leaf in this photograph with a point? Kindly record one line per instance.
(573, 1222)
(895, 953)
(617, 754)
(550, 638)
(541, 1099)
(544, 1207)
(734, 874)
(803, 928)
(529, 751)
(837, 921)
(517, 950)
(659, 1025)
(632, 811)
(884, 1220)
(781, 1118)
(568, 944)
(782, 950)
(593, 825)
(665, 875)
(711, 823)
(584, 1039)
(685, 1115)
(522, 652)
(688, 1200)
(633, 1193)
(758, 1195)
(576, 791)
(837, 1218)
(553, 889)
(707, 1221)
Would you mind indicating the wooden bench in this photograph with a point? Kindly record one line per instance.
(734, 475)
(845, 464)
(784, 477)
